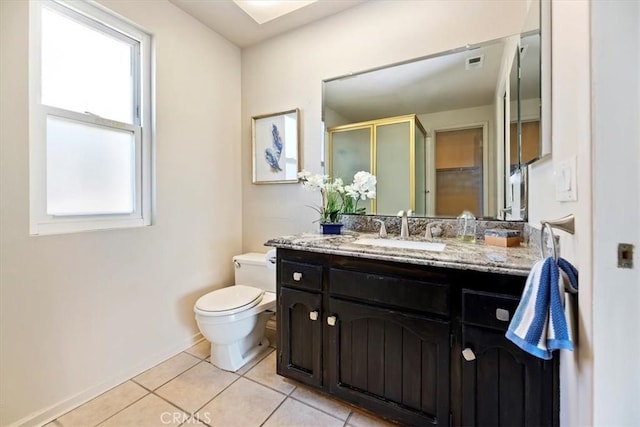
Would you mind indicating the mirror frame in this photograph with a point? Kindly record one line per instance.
(545, 80)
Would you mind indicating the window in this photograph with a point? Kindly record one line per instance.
(90, 119)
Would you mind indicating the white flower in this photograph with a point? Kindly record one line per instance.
(338, 198)
(330, 209)
(363, 187)
(313, 182)
(336, 185)
(304, 174)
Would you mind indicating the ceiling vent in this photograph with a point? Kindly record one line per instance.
(474, 62)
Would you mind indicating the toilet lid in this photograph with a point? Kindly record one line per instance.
(230, 300)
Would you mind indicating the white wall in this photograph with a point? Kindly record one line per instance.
(595, 108)
(82, 312)
(286, 72)
(571, 136)
(616, 189)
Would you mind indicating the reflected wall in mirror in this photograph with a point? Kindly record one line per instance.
(525, 94)
(522, 132)
(458, 97)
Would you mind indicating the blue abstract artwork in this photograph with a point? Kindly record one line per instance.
(272, 154)
(275, 147)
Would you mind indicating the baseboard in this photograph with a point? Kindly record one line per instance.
(44, 416)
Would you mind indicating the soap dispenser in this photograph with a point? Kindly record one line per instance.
(467, 227)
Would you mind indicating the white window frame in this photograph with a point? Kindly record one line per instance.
(98, 18)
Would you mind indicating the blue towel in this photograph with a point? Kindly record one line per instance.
(539, 325)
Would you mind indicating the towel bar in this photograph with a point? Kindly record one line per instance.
(566, 223)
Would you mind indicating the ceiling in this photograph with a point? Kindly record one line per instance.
(438, 83)
(230, 21)
(434, 84)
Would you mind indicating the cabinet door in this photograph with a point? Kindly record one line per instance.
(393, 363)
(504, 386)
(300, 336)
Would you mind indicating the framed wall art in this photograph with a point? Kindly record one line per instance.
(276, 147)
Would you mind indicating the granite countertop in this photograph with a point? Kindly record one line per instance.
(457, 254)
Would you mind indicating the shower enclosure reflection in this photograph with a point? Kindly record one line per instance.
(393, 149)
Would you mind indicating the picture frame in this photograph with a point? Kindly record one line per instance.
(275, 141)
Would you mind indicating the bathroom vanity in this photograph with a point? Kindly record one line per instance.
(414, 336)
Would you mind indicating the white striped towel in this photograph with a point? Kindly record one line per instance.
(539, 325)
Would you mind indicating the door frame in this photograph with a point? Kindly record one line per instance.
(431, 163)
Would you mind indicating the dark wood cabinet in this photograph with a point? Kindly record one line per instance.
(504, 386)
(389, 361)
(300, 348)
(389, 337)
(501, 384)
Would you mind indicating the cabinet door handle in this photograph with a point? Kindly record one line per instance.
(468, 354)
(297, 276)
(331, 320)
(502, 314)
(313, 315)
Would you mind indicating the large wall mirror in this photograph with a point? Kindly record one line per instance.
(443, 133)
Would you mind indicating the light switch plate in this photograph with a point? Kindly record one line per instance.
(565, 180)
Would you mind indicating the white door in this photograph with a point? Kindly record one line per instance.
(615, 55)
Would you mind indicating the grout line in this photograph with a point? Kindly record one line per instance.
(97, 397)
(172, 378)
(137, 383)
(125, 408)
(198, 418)
(195, 355)
(147, 389)
(346, 422)
(115, 413)
(214, 396)
(194, 414)
(271, 388)
(274, 411)
(217, 394)
(256, 362)
(318, 409)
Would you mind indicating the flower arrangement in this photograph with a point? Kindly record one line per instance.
(362, 188)
(338, 198)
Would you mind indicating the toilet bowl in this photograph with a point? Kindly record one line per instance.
(233, 319)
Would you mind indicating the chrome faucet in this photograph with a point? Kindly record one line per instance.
(429, 231)
(404, 230)
(383, 230)
(509, 210)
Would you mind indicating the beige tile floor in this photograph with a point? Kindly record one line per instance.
(187, 390)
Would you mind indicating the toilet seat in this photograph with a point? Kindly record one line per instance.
(229, 300)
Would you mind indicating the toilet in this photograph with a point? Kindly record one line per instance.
(234, 319)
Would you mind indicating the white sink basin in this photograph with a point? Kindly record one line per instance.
(403, 244)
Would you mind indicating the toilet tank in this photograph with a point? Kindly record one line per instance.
(251, 270)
